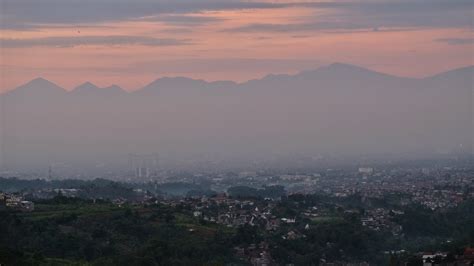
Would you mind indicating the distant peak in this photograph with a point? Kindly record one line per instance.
(114, 87)
(347, 70)
(89, 89)
(174, 82)
(466, 71)
(87, 84)
(38, 86)
(177, 79)
(338, 65)
(39, 81)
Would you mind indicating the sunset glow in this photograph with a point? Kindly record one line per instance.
(215, 41)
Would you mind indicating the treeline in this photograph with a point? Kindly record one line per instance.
(455, 224)
(182, 189)
(103, 188)
(102, 234)
(249, 192)
(69, 231)
(14, 184)
(88, 189)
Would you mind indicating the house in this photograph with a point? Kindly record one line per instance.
(26, 206)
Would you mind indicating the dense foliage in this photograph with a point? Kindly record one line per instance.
(102, 234)
(74, 231)
(249, 192)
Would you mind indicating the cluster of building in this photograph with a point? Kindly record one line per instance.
(434, 187)
(15, 202)
(341, 263)
(444, 258)
(257, 255)
(379, 219)
(233, 212)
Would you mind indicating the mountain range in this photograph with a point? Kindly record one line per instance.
(338, 108)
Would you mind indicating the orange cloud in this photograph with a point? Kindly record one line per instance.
(55, 51)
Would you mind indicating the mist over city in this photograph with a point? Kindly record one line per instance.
(335, 110)
(237, 132)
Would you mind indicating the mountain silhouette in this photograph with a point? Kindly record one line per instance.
(339, 108)
(38, 87)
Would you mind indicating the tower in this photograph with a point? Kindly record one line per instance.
(144, 165)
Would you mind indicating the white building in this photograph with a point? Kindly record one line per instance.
(366, 170)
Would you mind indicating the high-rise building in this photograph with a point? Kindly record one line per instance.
(144, 165)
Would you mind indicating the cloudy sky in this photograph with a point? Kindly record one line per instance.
(131, 43)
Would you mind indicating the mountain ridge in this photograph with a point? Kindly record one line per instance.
(36, 84)
(178, 82)
(310, 112)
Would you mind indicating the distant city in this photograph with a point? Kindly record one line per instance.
(414, 210)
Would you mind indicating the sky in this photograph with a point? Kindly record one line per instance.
(131, 43)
